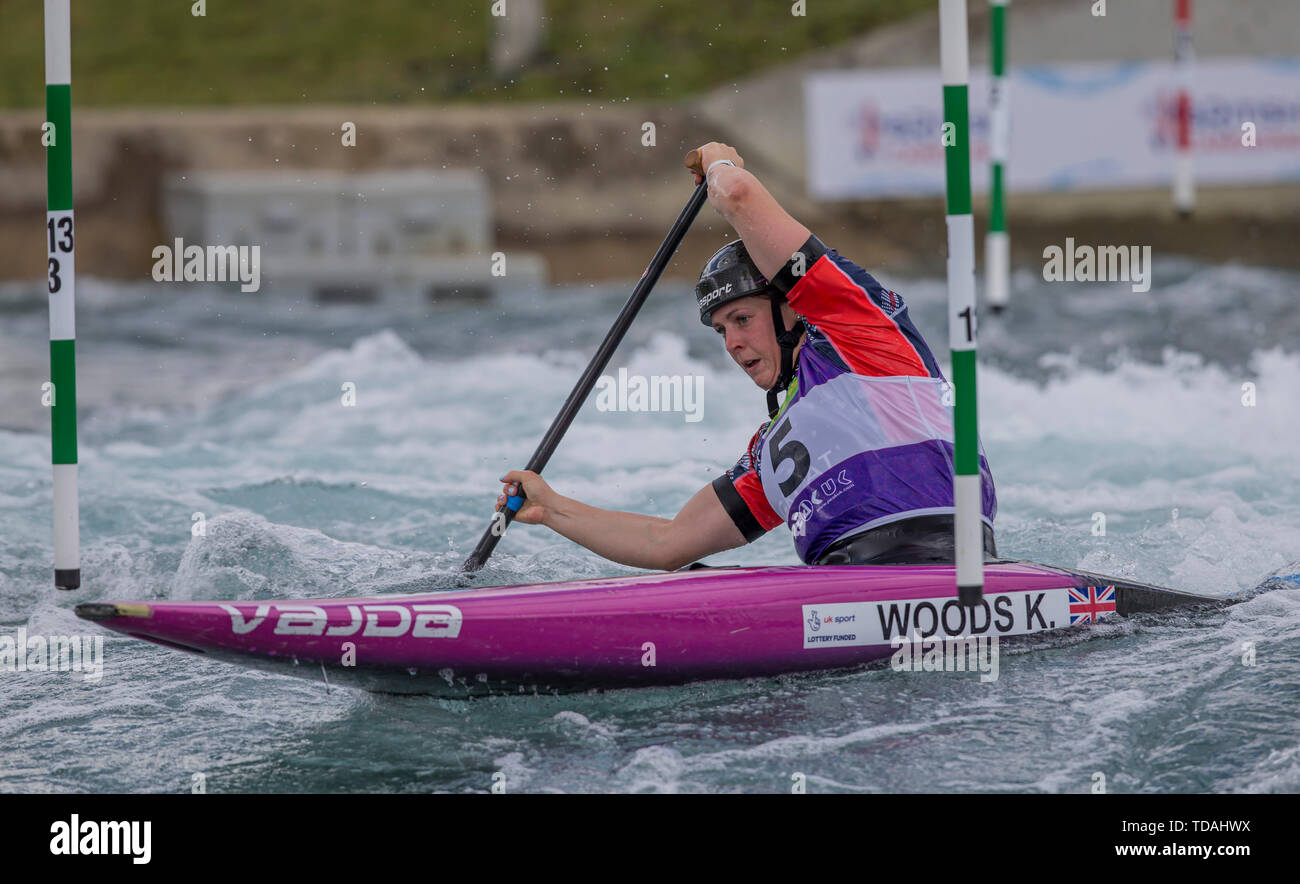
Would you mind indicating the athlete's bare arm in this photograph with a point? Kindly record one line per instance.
(702, 528)
(771, 236)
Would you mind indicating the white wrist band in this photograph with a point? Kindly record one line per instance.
(717, 163)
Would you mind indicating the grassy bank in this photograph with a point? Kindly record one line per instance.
(155, 52)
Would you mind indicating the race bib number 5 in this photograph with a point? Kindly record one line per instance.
(779, 451)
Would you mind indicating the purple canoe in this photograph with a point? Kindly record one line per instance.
(662, 628)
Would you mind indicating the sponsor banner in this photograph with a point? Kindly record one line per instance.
(1073, 127)
(1000, 614)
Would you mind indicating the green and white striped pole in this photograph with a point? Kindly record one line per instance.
(997, 244)
(955, 68)
(62, 285)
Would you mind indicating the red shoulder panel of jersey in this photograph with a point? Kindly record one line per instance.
(750, 489)
(741, 493)
(866, 323)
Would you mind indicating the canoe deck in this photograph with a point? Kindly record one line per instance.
(663, 628)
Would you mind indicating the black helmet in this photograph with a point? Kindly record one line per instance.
(730, 274)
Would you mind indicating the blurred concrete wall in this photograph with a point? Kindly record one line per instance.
(561, 172)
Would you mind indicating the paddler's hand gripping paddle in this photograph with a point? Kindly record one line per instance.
(503, 517)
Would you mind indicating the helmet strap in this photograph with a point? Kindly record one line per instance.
(787, 339)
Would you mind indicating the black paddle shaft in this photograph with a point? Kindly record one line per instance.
(560, 425)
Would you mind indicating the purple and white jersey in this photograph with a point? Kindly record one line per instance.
(864, 437)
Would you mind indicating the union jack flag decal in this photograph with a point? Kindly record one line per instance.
(1088, 604)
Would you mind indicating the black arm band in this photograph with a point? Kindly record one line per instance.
(813, 249)
(736, 507)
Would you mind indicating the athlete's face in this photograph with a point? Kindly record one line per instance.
(746, 327)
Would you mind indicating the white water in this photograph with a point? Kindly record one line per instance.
(1092, 400)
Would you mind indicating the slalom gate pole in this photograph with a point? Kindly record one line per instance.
(997, 242)
(955, 68)
(59, 241)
